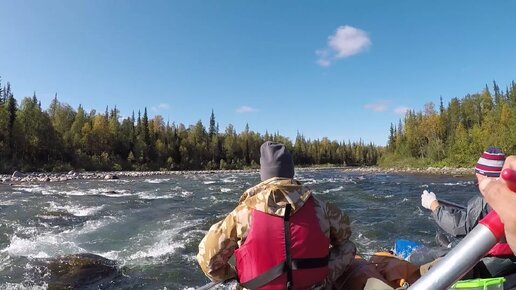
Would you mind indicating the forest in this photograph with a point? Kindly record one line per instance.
(61, 138)
(455, 135)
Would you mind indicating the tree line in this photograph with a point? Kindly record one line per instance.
(456, 134)
(61, 138)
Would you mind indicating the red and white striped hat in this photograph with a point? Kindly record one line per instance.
(490, 162)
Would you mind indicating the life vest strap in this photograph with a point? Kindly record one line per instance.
(278, 270)
(265, 277)
(288, 255)
(310, 263)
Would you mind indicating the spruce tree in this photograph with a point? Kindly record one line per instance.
(212, 130)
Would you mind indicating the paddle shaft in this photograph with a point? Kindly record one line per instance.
(451, 203)
(208, 286)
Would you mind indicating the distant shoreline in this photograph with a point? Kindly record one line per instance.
(43, 177)
(428, 170)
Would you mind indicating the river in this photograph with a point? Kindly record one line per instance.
(151, 226)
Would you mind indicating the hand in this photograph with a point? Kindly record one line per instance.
(427, 199)
(503, 201)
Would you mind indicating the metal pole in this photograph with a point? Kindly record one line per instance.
(458, 261)
(464, 256)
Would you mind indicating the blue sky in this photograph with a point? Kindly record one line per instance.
(339, 69)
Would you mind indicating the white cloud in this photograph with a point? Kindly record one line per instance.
(401, 110)
(162, 106)
(245, 109)
(379, 106)
(346, 41)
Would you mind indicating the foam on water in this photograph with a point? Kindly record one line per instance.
(112, 255)
(43, 246)
(76, 210)
(460, 183)
(29, 188)
(154, 195)
(186, 193)
(4, 261)
(105, 191)
(223, 189)
(41, 189)
(160, 248)
(333, 189)
(164, 242)
(217, 200)
(22, 286)
(48, 244)
(156, 180)
(308, 181)
(8, 202)
(382, 196)
(231, 179)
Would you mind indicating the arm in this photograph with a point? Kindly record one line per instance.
(342, 252)
(451, 220)
(459, 222)
(217, 247)
(503, 201)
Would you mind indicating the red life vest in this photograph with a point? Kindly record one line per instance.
(500, 250)
(262, 262)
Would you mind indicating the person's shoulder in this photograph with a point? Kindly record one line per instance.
(327, 206)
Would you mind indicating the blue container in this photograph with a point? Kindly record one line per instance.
(403, 248)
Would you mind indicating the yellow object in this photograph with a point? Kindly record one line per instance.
(384, 254)
(480, 284)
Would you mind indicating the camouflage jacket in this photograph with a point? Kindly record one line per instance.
(271, 196)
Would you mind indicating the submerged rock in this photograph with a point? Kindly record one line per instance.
(80, 271)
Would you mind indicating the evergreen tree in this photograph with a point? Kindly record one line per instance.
(2, 97)
(212, 131)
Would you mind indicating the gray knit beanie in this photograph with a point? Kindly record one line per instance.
(275, 161)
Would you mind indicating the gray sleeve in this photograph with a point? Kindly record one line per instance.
(452, 220)
(476, 210)
(459, 222)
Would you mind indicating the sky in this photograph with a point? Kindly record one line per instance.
(344, 70)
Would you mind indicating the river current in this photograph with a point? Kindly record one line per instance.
(151, 226)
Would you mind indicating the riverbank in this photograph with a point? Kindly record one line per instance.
(428, 170)
(32, 177)
(35, 177)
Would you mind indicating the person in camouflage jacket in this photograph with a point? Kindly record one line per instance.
(277, 189)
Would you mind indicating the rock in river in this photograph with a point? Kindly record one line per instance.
(81, 271)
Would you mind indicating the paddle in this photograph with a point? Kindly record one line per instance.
(208, 286)
(214, 284)
(451, 203)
